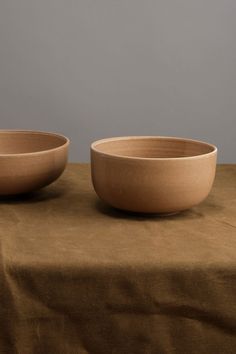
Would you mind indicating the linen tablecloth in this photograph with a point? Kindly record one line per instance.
(79, 277)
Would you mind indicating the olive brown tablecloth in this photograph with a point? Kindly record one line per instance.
(79, 277)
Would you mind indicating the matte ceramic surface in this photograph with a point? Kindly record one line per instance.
(152, 174)
(30, 160)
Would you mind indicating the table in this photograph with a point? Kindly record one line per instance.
(79, 277)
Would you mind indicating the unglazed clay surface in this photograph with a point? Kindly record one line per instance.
(152, 174)
(30, 160)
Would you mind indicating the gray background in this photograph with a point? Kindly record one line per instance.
(100, 68)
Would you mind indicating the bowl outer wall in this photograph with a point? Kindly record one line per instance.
(153, 185)
(25, 173)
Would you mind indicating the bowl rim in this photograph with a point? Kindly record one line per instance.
(32, 132)
(152, 137)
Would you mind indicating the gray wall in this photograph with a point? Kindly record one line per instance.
(99, 68)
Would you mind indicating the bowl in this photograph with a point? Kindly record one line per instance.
(30, 160)
(151, 174)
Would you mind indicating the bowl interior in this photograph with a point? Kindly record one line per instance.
(21, 142)
(152, 147)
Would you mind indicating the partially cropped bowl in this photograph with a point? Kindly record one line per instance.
(152, 174)
(30, 160)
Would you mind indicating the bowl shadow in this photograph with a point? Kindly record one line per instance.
(112, 212)
(38, 196)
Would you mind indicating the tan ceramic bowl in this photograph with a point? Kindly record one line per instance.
(152, 174)
(30, 160)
